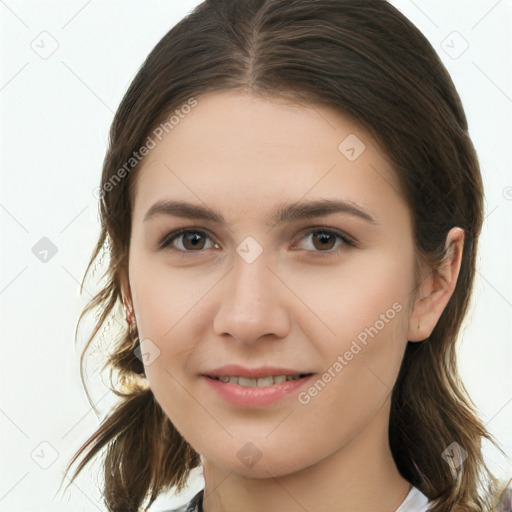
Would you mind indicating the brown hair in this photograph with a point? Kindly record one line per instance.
(364, 59)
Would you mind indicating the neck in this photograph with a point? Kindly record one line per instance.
(360, 476)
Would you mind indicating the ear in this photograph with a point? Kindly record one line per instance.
(126, 295)
(436, 288)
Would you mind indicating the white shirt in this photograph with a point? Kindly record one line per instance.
(415, 501)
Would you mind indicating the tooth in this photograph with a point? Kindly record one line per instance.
(264, 382)
(246, 382)
(261, 382)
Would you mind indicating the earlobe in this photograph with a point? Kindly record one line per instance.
(436, 289)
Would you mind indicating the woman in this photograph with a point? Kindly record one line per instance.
(291, 206)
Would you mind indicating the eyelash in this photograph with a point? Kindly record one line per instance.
(166, 242)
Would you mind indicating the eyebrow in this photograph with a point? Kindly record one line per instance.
(288, 212)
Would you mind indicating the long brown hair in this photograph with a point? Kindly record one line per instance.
(364, 59)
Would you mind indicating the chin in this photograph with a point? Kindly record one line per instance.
(265, 467)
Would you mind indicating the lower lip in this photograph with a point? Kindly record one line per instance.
(255, 396)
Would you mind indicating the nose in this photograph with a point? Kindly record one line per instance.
(252, 303)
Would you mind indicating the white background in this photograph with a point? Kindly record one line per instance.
(56, 113)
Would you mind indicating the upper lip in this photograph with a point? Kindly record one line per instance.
(261, 371)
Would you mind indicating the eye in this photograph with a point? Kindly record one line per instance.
(323, 241)
(188, 240)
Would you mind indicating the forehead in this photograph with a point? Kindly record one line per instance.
(236, 149)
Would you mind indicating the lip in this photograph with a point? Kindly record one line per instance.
(261, 371)
(254, 396)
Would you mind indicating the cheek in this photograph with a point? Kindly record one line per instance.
(370, 289)
(365, 309)
(164, 297)
(172, 318)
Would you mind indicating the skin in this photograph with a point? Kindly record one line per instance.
(242, 156)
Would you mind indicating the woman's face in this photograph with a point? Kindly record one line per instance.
(275, 283)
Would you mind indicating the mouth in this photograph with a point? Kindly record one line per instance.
(258, 382)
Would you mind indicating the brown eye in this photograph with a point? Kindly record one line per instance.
(328, 241)
(323, 240)
(193, 241)
(185, 241)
